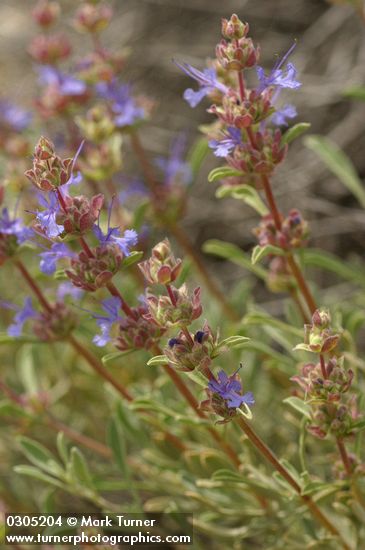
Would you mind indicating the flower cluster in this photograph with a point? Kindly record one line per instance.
(326, 384)
(225, 396)
(244, 134)
(293, 232)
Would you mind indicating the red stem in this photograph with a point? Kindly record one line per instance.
(323, 366)
(99, 368)
(33, 285)
(86, 247)
(171, 295)
(241, 84)
(61, 200)
(344, 456)
(272, 203)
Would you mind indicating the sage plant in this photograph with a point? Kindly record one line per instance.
(197, 411)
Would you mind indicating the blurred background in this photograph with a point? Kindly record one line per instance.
(330, 57)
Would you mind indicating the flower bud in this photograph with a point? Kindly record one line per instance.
(49, 49)
(135, 332)
(195, 353)
(46, 13)
(162, 267)
(79, 213)
(93, 18)
(234, 28)
(97, 125)
(56, 324)
(91, 273)
(184, 311)
(49, 170)
(238, 55)
(103, 160)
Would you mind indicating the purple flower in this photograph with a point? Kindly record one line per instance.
(126, 110)
(111, 307)
(280, 116)
(22, 315)
(47, 218)
(113, 236)
(278, 77)
(14, 227)
(207, 80)
(49, 258)
(68, 289)
(229, 389)
(67, 85)
(15, 117)
(175, 166)
(223, 147)
(134, 187)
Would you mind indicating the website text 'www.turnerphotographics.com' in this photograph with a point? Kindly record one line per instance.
(90, 529)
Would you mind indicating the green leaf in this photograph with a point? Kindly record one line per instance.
(60, 275)
(197, 155)
(325, 260)
(233, 341)
(197, 377)
(133, 257)
(260, 252)
(62, 447)
(116, 442)
(339, 163)
(262, 318)
(8, 408)
(27, 370)
(223, 172)
(358, 425)
(298, 405)
(79, 469)
(228, 475)
(115, 355)
(41, 457)
(31, 471)
(6, 339)
(234, 254)
(246, 193)
(303, 347)
(157, 360)
(357, 92)
(294, 132)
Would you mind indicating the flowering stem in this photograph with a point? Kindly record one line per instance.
(179, 233)
(115, 292)
(251, 137)
(307, 295)
(33, 285)
(186, 393)
(271, 200)
(86, 247)
(323, 366)
(241, 84)
(344, 455)
(98, 367)
(265, 451)
(302, 283)
(81, 439)
(61, 200)
(172, 297)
